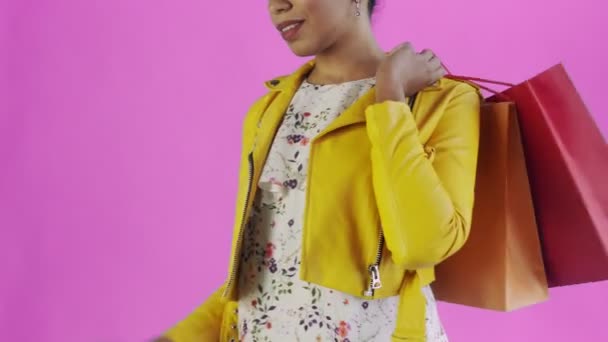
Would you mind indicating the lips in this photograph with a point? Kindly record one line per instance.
(289, 29)
(287, 23)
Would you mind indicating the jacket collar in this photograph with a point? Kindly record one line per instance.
(286, 86)
(291, 82)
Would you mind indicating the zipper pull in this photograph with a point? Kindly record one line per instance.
(374, 271)
(375, 283)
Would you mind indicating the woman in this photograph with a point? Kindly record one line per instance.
(347, 196)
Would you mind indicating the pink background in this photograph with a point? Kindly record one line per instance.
(119, 142)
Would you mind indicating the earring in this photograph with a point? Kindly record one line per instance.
(358, 12)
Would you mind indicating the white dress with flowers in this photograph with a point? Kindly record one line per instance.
(274, 304)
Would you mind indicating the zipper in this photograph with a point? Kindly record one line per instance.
(237, 252)
(375, 282)
(250, 161)
(374, 269)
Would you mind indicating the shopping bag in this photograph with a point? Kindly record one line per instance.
(567, 160)
(500, 267)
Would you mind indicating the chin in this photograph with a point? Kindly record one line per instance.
(301, 49)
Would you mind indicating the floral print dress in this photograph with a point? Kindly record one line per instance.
(274, 304)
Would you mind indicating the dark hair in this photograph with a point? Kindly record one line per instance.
(371, 5)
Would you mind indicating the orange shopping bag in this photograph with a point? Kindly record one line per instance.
(500, 267)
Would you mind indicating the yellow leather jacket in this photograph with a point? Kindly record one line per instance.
(389, 196)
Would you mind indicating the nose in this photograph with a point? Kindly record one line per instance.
(279, 6)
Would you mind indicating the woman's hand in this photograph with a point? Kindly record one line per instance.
(403, 72)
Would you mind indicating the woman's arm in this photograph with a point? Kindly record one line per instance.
(162, 339)
(204, 324)
(425, 206)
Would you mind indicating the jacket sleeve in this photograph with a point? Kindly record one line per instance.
(204, 324)
(425, 205)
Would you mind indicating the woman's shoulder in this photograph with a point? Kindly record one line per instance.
(457, 87)
(447, 90)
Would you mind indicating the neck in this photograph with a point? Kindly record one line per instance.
(351, 58)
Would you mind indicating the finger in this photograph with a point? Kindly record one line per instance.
(434, 75)
(403, 46)
(434, 63)
(397, 48)
(427, 54)
(438, 74)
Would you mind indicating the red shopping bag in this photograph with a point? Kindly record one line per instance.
(567, 160)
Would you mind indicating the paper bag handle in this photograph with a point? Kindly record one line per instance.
(476, 81)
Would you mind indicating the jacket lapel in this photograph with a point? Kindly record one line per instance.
(282, 89)
(352, 115)
(285, 88)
